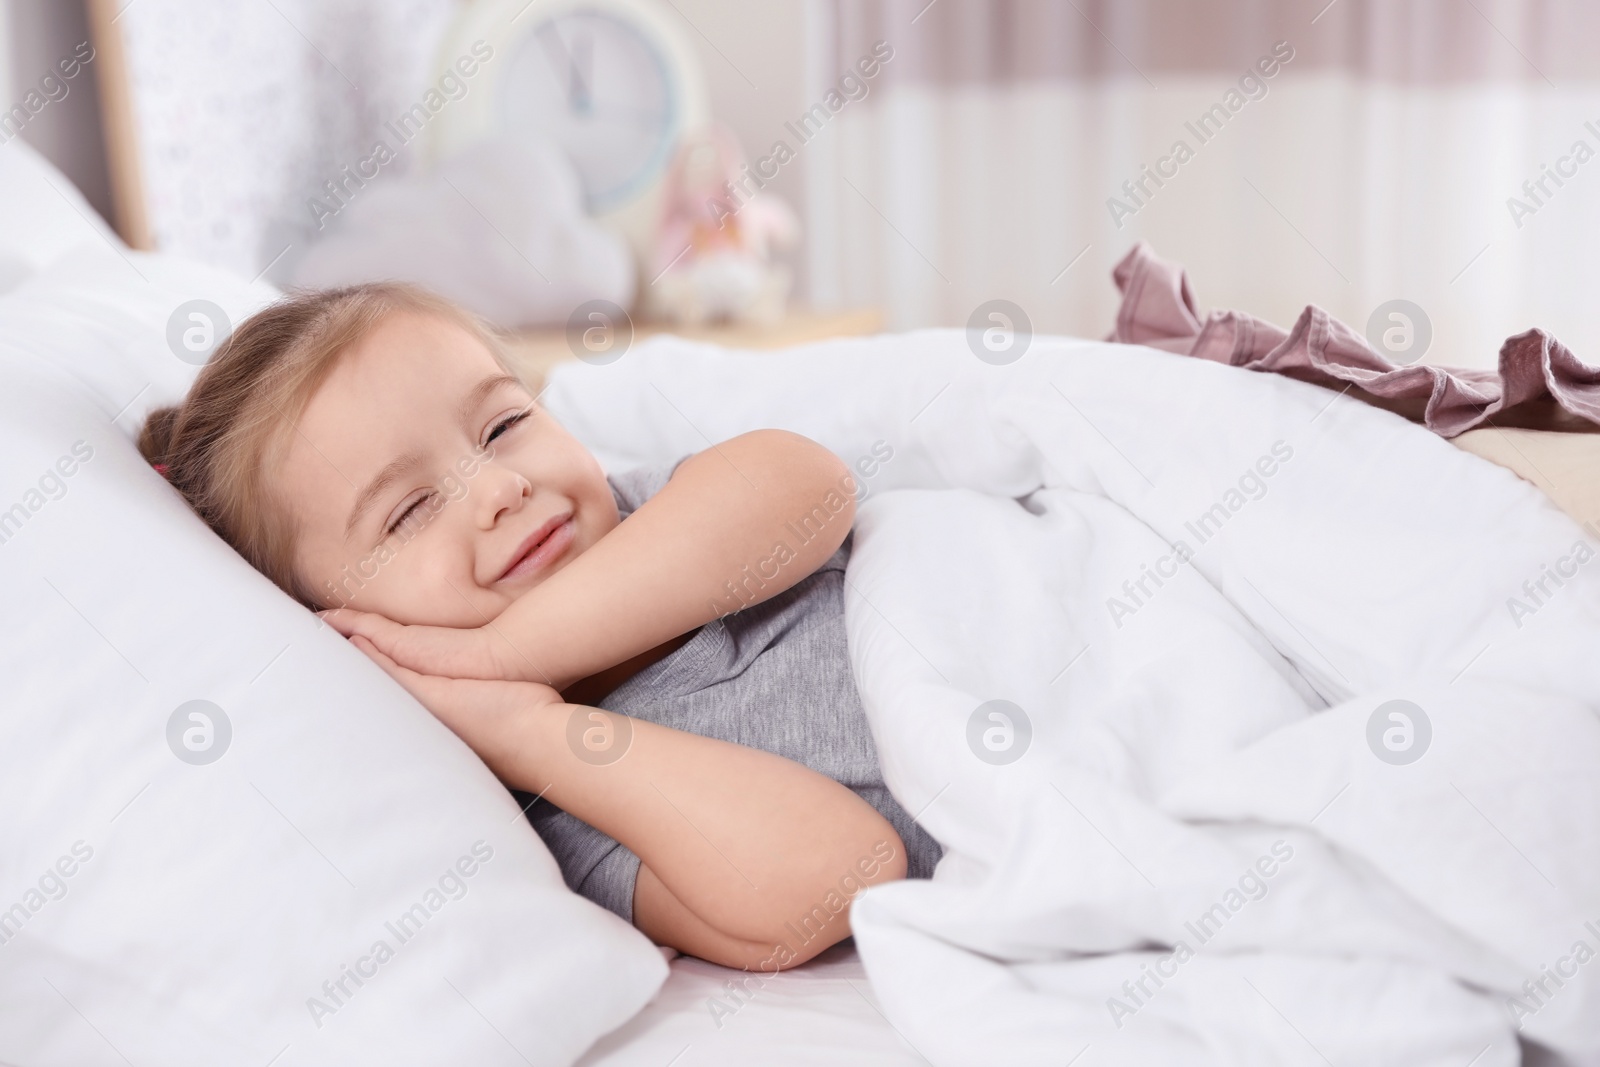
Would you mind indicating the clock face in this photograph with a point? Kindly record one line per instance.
(598, 87)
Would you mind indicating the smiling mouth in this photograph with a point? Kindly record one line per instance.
(542, 548)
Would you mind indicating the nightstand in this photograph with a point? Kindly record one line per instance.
(535, 352)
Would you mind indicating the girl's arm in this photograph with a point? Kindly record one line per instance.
(747, 859)
(736, 524)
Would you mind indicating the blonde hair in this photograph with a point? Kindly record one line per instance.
(218, 446)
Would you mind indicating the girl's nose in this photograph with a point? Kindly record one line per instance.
(504, 493)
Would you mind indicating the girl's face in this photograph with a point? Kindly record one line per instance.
(427, 487)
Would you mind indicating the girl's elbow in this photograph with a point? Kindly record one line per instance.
(813, 466)
(832, 491)
(820, 918)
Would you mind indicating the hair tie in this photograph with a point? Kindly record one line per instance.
(161, 469)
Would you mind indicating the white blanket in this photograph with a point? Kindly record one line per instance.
(1198, 585)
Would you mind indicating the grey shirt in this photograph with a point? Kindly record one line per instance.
(774, 676)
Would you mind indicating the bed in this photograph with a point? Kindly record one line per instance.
(822, 1012)
(224, 911)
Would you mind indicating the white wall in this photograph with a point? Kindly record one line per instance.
(754, 58)
(752, 54)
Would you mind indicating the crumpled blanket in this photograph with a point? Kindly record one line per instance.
(1258, 724)
(1158, 310)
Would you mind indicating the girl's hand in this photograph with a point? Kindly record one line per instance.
(490, 716)
(446, 651)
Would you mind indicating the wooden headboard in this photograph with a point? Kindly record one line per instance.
(116, 117)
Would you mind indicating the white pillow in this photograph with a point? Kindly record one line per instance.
(42, 215)
(158, 911)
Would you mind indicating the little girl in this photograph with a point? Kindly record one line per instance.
(655, 662)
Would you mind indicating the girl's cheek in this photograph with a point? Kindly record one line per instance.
(443, 566)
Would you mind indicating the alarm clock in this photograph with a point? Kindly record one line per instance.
(614, 84)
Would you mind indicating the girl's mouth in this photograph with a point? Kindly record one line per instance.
(541, 548)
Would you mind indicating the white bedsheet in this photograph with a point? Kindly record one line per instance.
(710, 1016)
(1205, 743)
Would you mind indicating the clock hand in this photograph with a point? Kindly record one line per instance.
(578, 80)
(581, 75)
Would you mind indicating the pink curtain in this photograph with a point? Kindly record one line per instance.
(1409, 41)
(1436, 151)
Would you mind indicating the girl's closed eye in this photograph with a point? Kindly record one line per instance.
(413, 506)
(505, 424)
